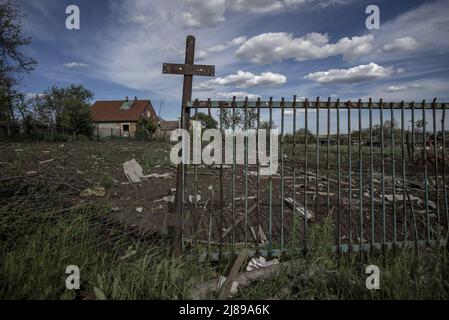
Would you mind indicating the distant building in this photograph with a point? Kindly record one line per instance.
(119, 118)
(167, 127)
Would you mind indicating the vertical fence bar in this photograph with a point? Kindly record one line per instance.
(258, 176)
(435, 156)
(393, 163)
(360, 180)
(234, 155)
(317, 156)
(306, 178)
(185, 118)
(382, 186)
(350, 176)
(413, 131)
(246, 172)
(221, 191)
(339, 181)
(404, 187)
(270, 185)
(195, 168)
(209, 231)
(282, 173)
(426, 182)
(328, 153)
(294, 172)
(443, 162)
(372, 172)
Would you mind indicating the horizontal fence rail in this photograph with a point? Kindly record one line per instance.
(373, 172)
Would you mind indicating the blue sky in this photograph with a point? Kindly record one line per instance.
(260, 48)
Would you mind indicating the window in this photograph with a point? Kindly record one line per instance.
(126, 128)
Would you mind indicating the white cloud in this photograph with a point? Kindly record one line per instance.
(275, 47)
(426, 24)
(405, 43)
(76, 65)
(356, 74)
(209, 13)
(273, 6)
(401, 88)
(203, 54)
(244, 80)
(238, 94)
(203, 13)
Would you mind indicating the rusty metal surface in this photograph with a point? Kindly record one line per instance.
(189, 69)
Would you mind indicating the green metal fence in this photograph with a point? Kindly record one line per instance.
(377, 169)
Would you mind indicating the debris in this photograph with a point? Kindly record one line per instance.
(400, 197)
(299, 209)
(46, 161)
(262, 235)
(133, 171)
(139, 209)
(192, 198)
(221, 281)
(128, 255)
(226, 290)
(203, 291)
(253, 233)
(31, 172)
(158, 176)
(237, 221)
(96, 191)
(432, 205)
(170, 198)
(243, 198)
(115, 209)
(257, 263)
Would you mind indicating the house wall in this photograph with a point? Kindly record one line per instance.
(105, 128)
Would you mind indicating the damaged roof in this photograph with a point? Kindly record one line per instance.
(113, 111)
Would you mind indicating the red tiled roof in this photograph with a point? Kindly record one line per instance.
(110, 111)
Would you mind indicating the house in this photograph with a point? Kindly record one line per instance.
(119, 117)
(167, 127)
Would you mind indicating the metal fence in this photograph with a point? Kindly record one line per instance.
(376, 169)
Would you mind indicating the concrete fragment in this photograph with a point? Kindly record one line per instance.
(133, 171)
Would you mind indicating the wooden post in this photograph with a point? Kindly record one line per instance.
(188, 70)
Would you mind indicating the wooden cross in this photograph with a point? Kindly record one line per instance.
(188, 69)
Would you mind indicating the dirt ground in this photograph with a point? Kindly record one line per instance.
(74, 167)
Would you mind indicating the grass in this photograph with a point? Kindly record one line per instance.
(320, 275)
(35, 250)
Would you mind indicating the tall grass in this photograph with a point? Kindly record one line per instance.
(33, 267)
(321, 275)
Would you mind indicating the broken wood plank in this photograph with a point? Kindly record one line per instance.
(299, 208)
(227, 286)
(239, 220)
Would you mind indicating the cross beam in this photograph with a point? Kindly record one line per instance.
(188, 69)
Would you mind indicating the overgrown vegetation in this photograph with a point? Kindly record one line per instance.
(321, 275)
(36, 248)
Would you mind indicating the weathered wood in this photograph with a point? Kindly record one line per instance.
(188, 69)
(226, 289)
(239, 220)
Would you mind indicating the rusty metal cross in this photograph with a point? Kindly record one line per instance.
(188, 69)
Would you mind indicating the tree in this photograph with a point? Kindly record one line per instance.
(240, 119)
(267, 125)
(65, 109)
(207, 122)
(145, 128)
(13, 62)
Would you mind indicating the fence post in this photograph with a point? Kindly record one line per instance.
(111, 133)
